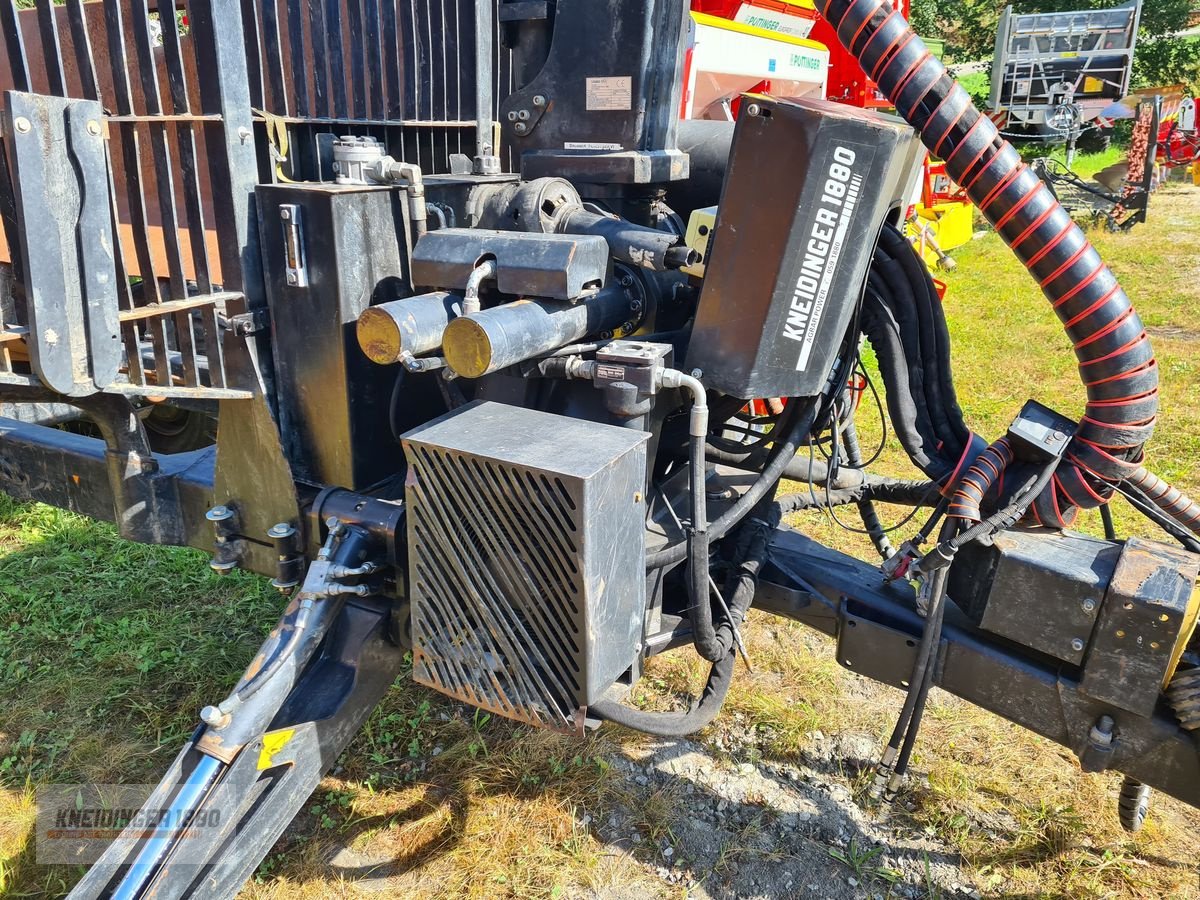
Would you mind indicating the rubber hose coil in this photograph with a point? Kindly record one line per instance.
(1116, 363)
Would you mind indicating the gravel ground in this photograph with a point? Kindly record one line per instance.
(775, 830)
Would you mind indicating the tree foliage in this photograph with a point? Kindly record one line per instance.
(969, 29)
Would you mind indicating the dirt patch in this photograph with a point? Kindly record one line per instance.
(1172, 333)
(757, 829)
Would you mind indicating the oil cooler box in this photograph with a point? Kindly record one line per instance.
(526, 559)
(808, 188)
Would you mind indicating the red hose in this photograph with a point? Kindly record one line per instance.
(1115, 360)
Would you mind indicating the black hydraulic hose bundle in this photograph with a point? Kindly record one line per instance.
(903, 320)
(753, 543)
(1115, 359)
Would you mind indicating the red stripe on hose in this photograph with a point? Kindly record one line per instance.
(845, 15)
(890, 47)
(1153, 363)
(1062, 486)
(1118, 352)
(878, 31)
(974, 162)
(1037, 223)
(1058, 515)
(1096, 273)
(1001, 186)
(913, 70)
(1092, 309)
(1021, 204)
(912, 111)
(1049, 248)
(861, 28)
(1107, 329)
(937, 146)
(1070, 262)
(899, 52)
(966, 137)
(1087, 487)
(1124, 401)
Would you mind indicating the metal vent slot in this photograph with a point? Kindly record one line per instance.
(498, 625)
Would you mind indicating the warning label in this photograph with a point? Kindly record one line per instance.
(612, 93)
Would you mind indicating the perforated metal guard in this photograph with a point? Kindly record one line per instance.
(522, 597)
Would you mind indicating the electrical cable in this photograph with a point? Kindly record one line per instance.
(804, 413)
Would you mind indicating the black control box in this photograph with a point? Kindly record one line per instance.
(808, 188)
(1039, 434)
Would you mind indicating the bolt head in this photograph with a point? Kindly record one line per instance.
(512, 115)
(285, 214)
(93, 127)
(539, 100)
(22, 124)
(523, 114)
(292, 279)
(1077, 645)
(218, 514)
(697, 373)
(283, 529)
(212, 716)
(753, 109)
(520, 128)
(1089, 605)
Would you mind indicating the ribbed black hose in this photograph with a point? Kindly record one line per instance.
(982, 475)
(1115, 360)
(1170, 500)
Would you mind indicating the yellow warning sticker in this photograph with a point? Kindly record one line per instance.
(273, 742)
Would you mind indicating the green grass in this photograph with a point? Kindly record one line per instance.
(108, 650)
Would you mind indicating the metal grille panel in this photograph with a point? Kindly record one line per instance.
(402, 71)
(202, 100)
(176, 178)
(527, 583)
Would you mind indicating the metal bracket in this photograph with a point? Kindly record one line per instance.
(244, 324)
(60, 179)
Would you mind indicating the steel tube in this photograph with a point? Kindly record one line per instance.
(503, 336)
(159, 844)
(412, 326)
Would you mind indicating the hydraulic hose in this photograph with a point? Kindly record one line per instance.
(983, 474)
(781, 454)
(1170, 500)
(675, 725)
(1115, 359)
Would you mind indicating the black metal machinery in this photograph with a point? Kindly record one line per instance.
(479, 398)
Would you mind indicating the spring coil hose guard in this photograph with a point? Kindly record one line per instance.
(1115, 360)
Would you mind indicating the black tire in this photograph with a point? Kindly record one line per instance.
(1094, 140)
(174, 430)
(1133, 804)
